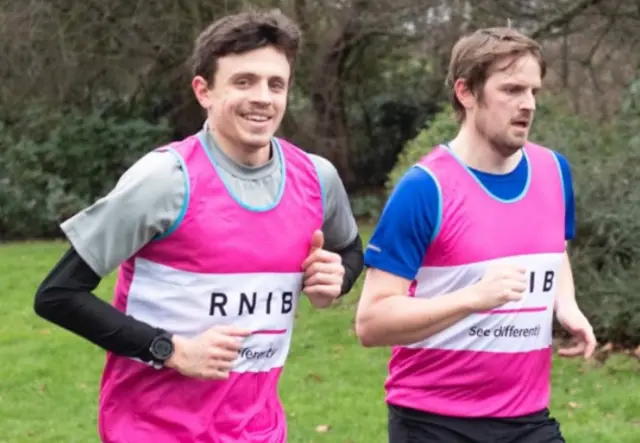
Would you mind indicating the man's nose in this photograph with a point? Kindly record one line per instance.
(262, 94)
(528, 102)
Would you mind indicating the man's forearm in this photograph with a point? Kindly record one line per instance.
(402, 320)
(353, 263)
(565, 293)
(65, 299)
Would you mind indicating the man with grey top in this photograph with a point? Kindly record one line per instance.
(242, 72)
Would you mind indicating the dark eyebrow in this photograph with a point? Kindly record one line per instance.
(518, 85)
(243, 74)
(253, 75)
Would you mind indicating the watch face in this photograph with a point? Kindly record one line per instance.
(163, 348)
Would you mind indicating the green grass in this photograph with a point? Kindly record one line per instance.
(49, 377)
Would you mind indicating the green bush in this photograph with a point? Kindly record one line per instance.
(366, 207)
(61, 163)
(606, 251)
(439, 130)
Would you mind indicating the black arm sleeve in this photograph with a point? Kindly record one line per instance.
(353, 262)
(65, 298)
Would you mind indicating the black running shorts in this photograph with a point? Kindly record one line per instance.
(412, 426)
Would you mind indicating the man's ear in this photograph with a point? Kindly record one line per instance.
(465, 96)
(201, 90)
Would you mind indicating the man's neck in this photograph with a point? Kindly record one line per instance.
(248, 157)
(476, 152)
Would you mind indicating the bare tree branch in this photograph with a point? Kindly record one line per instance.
(563, 18)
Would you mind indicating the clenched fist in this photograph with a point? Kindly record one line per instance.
(502, 283)
(323, 273)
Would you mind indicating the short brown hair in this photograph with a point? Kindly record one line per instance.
(243, 32)
(475, 55)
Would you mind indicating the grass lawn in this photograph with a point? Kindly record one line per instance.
(331, 388)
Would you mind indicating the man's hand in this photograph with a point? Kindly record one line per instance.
(209, 356)
(501, 284)
(574, 321)
(323, 273)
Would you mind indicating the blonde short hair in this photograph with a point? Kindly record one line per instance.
(474, 58)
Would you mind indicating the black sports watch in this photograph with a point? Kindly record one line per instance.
(161, 349)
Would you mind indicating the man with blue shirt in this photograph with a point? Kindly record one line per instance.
(468, 263)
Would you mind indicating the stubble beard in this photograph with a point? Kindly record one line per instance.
(503, 144)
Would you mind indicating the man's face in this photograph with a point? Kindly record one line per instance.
(505, 112)
(248, 97)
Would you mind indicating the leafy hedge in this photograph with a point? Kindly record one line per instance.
(606, 251)
(52, 165)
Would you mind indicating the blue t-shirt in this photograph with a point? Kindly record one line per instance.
(411, 216)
